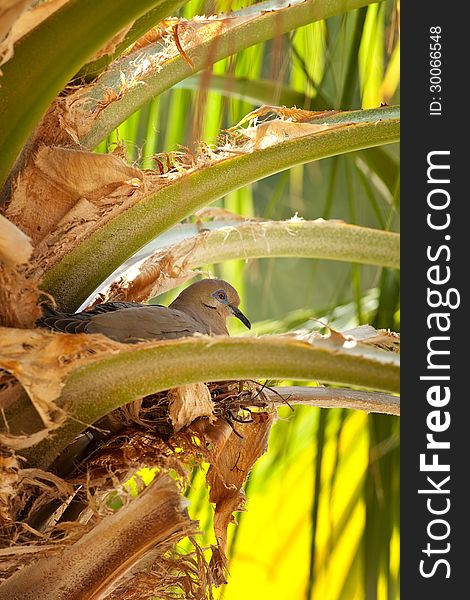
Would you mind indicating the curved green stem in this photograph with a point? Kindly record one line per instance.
(57, 48)
(100, 386)
(326, 240)
(148, 74)
(78, 274)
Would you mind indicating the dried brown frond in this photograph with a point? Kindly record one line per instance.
(40, 360)
(291, 114)
(162, 271)
(380, 338)
(32, 16)
(168, 576)
(226, 476)
(15, 246)
(19, 297)
(152, 35)
(69, 179)
(9, 469)
(152, 416)
(366, 335)
(11, 12)
(121, 545)
(46, 516)
(174, 31)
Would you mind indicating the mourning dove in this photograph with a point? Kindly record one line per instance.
(203, 307)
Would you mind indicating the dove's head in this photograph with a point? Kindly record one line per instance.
(211, 301)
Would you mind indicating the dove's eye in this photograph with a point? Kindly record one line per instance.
(220, 295)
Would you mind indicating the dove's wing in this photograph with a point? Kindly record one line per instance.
(77, 322)
(145, 323)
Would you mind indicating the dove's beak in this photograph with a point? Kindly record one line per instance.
(238, 313)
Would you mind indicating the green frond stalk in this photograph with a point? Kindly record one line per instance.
(48, 57)
(100, 386)
(78, 274)
(309, 239)
(256, 24)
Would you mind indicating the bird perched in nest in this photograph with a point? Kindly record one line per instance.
(203, 307)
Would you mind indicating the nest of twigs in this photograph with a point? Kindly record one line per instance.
(142, 432)
(233, 401)
(106, 455)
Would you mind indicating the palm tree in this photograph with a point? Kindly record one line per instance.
(99, 202)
